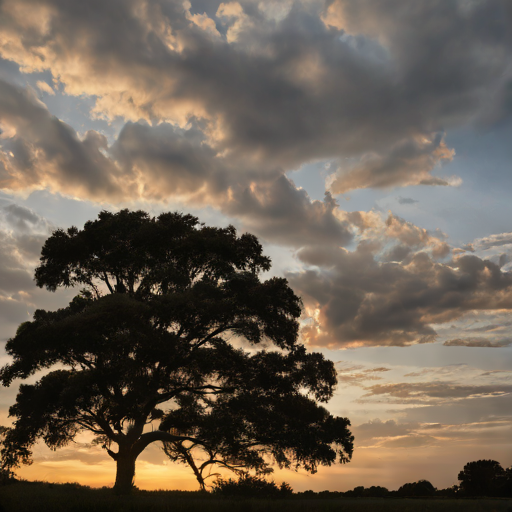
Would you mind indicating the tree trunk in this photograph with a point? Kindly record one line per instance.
(125, 473)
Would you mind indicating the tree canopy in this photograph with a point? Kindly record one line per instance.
(166, 331)
(419, 488)
(485, 478)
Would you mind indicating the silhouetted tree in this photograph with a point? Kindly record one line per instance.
(506, 488)
(375, 491)
(449, 492)
(148, 341)
(419, 488)
(6, 475)
(483, 478)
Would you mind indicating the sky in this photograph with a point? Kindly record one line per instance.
(366, 143)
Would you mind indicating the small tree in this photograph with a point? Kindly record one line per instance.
(6, 475)
(482, 478)
(148, 341)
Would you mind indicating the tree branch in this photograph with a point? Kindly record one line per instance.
(216, 332)
(107, 282)
(158, 435)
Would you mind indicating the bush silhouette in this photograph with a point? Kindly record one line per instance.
(248, 486)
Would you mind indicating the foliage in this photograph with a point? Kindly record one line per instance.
(449, 492)
(419, 488)
(375, 491)
(210, 456)
(485, 478)
(6, 475)
(149, 341)
(248, 486)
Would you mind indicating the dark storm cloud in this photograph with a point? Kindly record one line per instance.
(360, 300)
(368, 79)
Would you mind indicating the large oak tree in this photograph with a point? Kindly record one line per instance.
(165, 332)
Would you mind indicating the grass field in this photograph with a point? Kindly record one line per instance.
(34, 497)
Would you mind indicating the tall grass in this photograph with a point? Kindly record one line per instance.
(38, 496)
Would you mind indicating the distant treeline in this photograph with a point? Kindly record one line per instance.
(481, 478)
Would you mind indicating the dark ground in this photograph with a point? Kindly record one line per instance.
(38, 496)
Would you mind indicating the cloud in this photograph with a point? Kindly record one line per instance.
(493, 241)
(377, 434)
(474, 410)
(279, 84)
(436, 392)
(22, 234)
(39, 150)
(488, 329)
(22, 220)
(392, 434)
(356, 298)
(410, 441)
(221, 101)
(155, 163)
(381, 429)
(168, 161)
(478, 342)
(357, 375)
(406, 200)
(43, 86)
(407, 163)
(450, 370)
(281, 212)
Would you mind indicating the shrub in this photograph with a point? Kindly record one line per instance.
(248, 486)
(7, 477)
